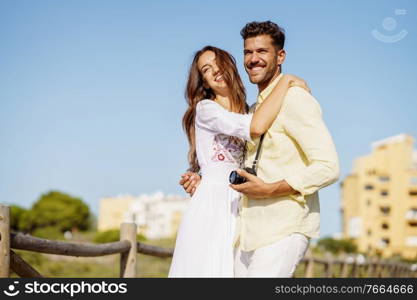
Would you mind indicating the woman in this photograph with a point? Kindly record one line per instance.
(217, 124)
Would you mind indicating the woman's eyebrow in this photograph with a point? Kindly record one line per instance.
(205, 65)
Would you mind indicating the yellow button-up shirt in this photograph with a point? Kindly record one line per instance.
(299, 149)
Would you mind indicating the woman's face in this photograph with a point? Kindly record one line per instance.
(211, 74)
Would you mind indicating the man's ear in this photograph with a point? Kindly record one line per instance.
(281, 56)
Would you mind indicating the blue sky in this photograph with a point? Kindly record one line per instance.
(91, 92)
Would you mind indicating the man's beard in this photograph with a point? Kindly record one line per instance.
(266, 78)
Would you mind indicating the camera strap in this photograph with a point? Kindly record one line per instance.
(255, 161)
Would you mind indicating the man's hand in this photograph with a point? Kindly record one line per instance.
(254, 187)
(189, 182)
(297, 81)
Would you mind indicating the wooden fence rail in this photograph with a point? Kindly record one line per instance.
(128, 248)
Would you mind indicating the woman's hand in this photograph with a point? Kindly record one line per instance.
(296, 81)
(189, 182)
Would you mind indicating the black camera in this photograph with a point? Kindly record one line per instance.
(235, 178)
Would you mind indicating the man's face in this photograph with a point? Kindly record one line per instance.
(262, 59)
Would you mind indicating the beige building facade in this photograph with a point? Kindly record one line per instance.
(379, 199)
(156, 215)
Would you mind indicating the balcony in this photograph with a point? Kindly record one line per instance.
(411, 241)
(369, 187)
(411, 214)
(383, 242)
(383, 178)
(385, 210)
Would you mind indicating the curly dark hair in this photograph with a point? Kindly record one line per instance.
(253, 29)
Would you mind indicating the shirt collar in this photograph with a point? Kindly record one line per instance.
(265, 93)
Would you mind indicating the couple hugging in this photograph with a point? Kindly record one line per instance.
(261, 227)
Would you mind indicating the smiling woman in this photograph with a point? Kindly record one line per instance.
(209, 63)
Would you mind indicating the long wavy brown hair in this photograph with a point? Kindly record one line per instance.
(195, 92)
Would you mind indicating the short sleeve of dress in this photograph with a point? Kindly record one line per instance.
(212, 116)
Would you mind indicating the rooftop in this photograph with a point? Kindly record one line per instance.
(391, 140)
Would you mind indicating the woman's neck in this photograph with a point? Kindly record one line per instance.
(223, 101)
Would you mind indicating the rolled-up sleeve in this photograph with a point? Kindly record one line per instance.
(212, 116)
(304, 123)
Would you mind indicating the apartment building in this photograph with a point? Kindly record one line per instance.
(379, 199)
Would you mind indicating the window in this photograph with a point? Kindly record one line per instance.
(385, 210)
(411, 241)
(383, 178)
(383, 242)
(354, 227)
(411, 214)
(385, 226)
(369, 187)
(412, 223)
(371, 172)
(384, 193)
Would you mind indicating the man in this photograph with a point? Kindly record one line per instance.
(279, 211)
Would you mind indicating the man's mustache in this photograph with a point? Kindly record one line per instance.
(250, 66)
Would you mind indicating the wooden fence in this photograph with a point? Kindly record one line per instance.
(128, 247)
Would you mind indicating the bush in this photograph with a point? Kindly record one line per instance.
(337, 246)
(113, 235)
(49, 232)
(107, 236)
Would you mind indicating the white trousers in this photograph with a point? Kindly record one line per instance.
(276, 260)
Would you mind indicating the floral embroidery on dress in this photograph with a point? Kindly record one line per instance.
(228, 148)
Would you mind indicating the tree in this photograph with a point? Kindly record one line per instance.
(59, 210)
(336, 246)
(16, 214)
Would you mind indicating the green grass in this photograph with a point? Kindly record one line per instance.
(150, 266)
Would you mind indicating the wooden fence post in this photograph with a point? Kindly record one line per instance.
(328, 268)
(128, 259)
(355, 268)
(4, 241)
(344, 269)
(372, 270)
(309, 271)
(21, 267)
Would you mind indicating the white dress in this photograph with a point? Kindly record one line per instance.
(204, 245)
